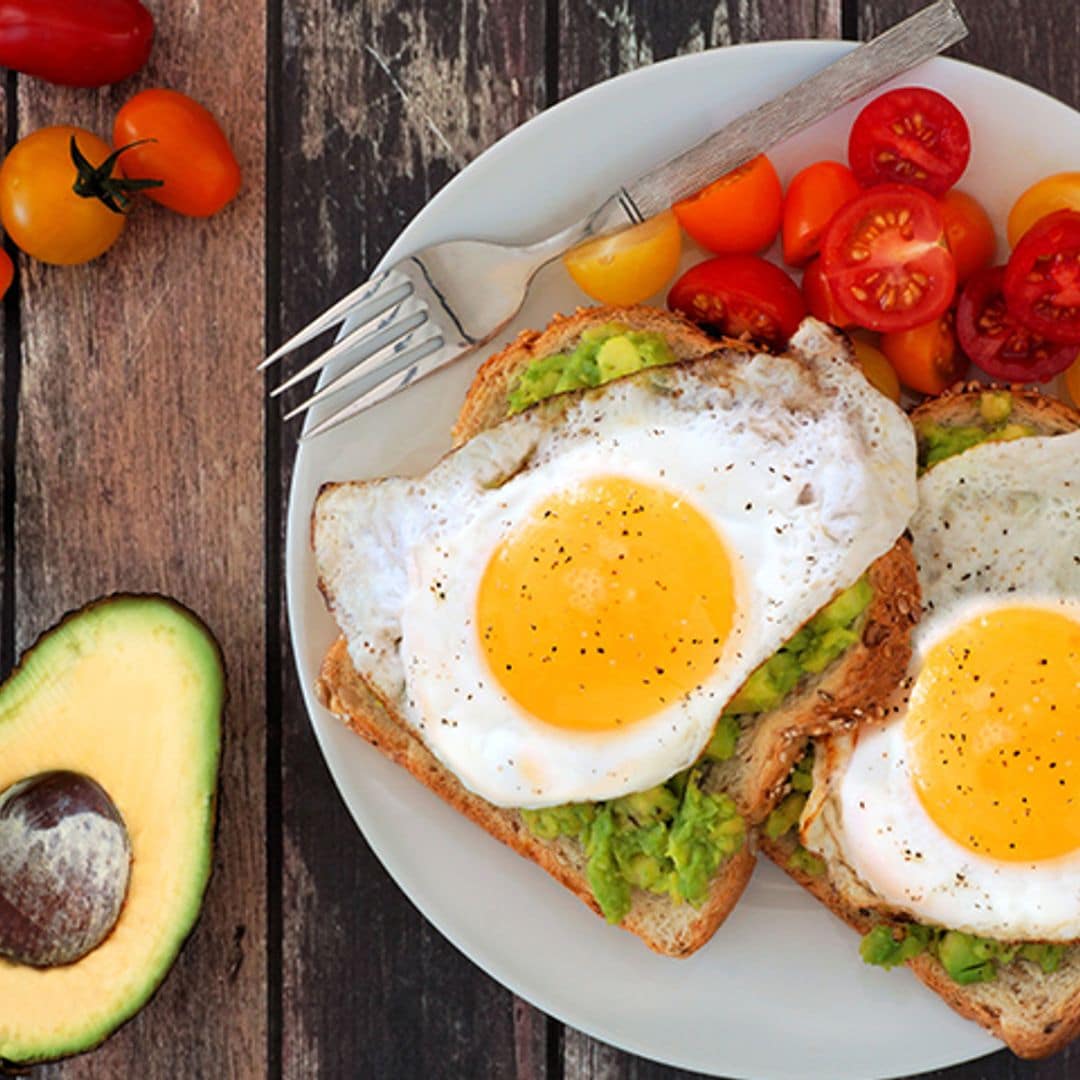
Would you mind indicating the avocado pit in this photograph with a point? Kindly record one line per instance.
(65, 862)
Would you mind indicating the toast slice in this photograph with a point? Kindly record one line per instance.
(1034, 1013)
(766, 748)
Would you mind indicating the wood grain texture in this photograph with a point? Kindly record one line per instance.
(384, 103)
(139, 467)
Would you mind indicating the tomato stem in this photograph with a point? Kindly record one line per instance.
(98, 182)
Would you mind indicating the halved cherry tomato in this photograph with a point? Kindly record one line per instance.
(969, 233)
(740, 294)
(185, 147)
(1072, 382)
(630, 265)
(876, 367)
(885, 259)
(1058, 192)
(1042, 279)
(820, 301)
(997, 341)
(910, 136)
(813, 197)
(737, 214)
(926, 357)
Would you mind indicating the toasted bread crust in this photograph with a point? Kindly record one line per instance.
(1027, 1031)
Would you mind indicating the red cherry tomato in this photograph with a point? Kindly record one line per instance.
(1042, 279)
(813, 197)
(184, 146)
(885, 259)
(739, 213)
(75, 42)
(819, 298)
(740, 294)
(997, 341)
(7, 272)
(910, 136)
(969, 233)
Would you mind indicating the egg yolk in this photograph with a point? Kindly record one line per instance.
(607, 605)
(993, 733)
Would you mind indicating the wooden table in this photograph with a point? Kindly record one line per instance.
(138, 454)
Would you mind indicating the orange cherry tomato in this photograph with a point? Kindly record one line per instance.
(1058, 192)
(813, 197)
(876, 367)
(630, 265)
(187, 150)
(820, 301)
(738, 214)
(926, 357)
(7, 272)
(968, 232)
(1072, 382)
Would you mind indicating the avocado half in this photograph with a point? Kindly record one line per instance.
(129, 692)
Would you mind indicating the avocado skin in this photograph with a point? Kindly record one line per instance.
(217, 673)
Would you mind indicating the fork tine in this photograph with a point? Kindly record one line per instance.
(335, 314)
(404, 338)
(374, 324)
(426, 362)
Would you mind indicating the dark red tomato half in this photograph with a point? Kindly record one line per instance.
(75, 42)
(734, 295)
(1042, 280)
(910, 136)
(886, 261)
(997, 341)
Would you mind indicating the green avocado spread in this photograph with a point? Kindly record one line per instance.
(602, 353)
(672, 838)
(940, 441)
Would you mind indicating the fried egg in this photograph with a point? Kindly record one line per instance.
(963, 809)
(561, 608)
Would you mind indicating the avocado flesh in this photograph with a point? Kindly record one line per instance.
(128, 691)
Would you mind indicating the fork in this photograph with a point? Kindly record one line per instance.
(444, 301)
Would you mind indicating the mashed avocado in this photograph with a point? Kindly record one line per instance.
(603, 353)
(965, 957)
(940, 441)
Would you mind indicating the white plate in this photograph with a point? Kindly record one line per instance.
(780, 991)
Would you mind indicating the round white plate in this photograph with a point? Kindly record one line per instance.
(780, 991)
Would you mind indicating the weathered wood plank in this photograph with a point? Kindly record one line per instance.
(384, 102)
(601, 39)
(139, 467)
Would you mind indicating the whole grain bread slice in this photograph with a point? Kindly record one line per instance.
(1035, 1013)
(768, 745)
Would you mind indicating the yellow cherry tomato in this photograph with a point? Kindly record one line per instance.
(1058, 192)
(1072, 382)
(876, 367)
(628, 266)
(39, 207)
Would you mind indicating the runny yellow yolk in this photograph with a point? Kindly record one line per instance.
(607, 605)
(993, 728)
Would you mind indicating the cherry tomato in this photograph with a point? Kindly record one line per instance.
(7, 272)
(740, 294)
(1072, 382)
(813, 197)
(737, 214)
(910, 136)
(820, 301)
(885, 259)
(876, 367)
(187, 150)
(75, 42)
(969, 233)
(630, 265)
(39, 207)
(997, 341)
(1042, 279)
(1058, 192)
(926, 357)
